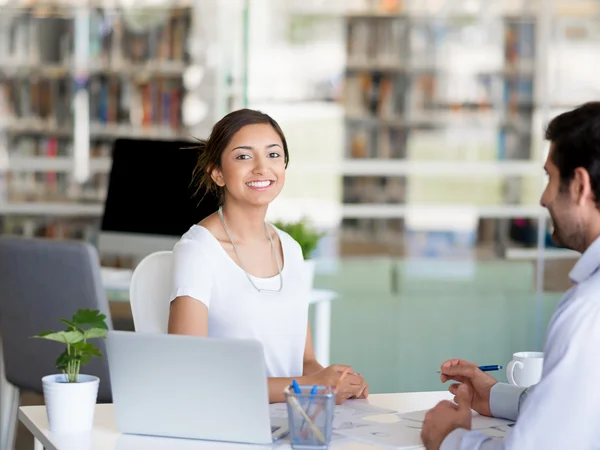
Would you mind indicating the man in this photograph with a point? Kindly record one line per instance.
(563, 410)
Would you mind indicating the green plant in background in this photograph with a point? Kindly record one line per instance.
(304, 233)
(85, 324)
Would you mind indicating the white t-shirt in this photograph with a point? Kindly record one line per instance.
(202, 269)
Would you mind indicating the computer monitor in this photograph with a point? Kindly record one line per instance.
(150, 201)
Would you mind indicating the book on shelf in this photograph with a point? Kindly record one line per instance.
(27, 39)
(64, 228)
(375, 95)
(51, 186)
(114, 100)
(376, 42)
(366, 140)
(374, 189)
(131, 80)
(30, 184)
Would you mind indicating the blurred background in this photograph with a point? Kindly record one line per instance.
(416, 139)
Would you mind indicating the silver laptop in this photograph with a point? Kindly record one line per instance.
(191, 387)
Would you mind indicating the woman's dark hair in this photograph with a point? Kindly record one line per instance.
(220, 137)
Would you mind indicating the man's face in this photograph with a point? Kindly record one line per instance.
(561, 201)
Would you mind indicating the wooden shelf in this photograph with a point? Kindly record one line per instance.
(395, 211)
(52, 209)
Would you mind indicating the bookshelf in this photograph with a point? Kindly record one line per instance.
(439, 114)
(74, 77)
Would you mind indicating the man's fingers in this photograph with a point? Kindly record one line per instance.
(455, 378)
(446, 404)
(464, 396)
(456, 362)
(453, 388)
(453, 370)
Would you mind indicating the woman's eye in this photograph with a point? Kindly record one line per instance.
(243, 157)
(274, 155)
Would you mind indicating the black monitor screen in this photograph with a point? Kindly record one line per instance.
(151, 189)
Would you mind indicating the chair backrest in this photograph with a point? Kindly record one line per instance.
(149, 292)
(41, 282)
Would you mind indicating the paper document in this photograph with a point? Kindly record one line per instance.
(341, 424)
(479, 422)
(278, 410)
(396, 435)
(360, 408)
(350, 410)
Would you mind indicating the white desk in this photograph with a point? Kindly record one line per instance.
(105, 435)
(118, 280)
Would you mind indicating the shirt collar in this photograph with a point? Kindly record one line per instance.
(587, 264)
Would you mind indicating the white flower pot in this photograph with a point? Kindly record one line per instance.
(70, 406)
(309, 272)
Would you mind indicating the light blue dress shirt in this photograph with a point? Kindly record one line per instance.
(562, 411)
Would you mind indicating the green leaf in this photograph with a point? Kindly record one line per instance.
(95, 333)
(303, 233)
(66, 337)
(82, 348)
(85, 352)
(91, 318)
(63, 360)
(71, 325)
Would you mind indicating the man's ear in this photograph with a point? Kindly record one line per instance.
(581, 187)
(217, 177)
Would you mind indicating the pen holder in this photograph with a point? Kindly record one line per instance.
(310, 417)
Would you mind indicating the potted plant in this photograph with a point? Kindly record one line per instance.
(70, 397)
(308, 238)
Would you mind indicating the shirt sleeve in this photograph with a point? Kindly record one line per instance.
(505, 400)
(192, 273)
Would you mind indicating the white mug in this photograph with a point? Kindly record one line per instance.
(525, 369)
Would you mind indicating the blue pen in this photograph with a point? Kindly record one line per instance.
(489, 368)
(485, 368)
(313, 392)
(296, 388)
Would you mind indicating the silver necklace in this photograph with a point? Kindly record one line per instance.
(271, 291)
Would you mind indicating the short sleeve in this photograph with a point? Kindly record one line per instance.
(192, 273)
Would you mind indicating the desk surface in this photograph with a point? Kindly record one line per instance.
(105, 435)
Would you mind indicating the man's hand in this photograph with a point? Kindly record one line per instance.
(464, 371)
(447, 417)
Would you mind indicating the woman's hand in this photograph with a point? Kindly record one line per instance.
(352, 385)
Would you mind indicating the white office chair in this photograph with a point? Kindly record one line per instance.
(149, 292)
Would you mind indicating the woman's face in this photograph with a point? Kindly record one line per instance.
(252, 166)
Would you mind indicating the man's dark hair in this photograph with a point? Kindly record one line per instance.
(576, 138)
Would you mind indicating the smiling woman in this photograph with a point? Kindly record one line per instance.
(235, 276)
(248, 136)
